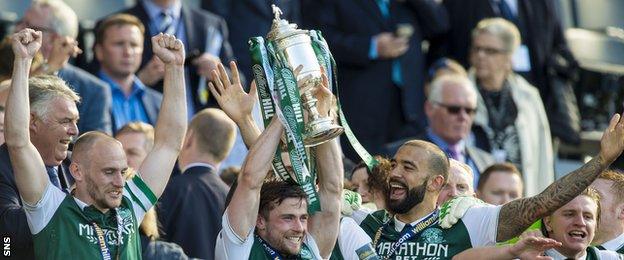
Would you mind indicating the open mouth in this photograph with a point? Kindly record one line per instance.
(294, 239)
(397, 190)
(65, 141)
(576, 234)
(115, 194)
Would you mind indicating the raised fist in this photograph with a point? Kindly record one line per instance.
(26, 43)
(168, 49)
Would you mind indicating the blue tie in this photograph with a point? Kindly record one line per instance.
(53, 175)
(397, 76)
(166, 23)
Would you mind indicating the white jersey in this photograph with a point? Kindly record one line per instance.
(353, 241)
(230, 246)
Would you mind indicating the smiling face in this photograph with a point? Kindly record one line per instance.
(106, 177)
(573, 225)
(412, 180)
(459, 184)
(286, 226)
(51, 133)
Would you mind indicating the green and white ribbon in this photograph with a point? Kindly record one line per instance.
(326, 60)
(289, 112)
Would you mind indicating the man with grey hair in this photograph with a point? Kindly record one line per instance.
(59, 25)
(450, 110)
(459, 183)
(53, 126)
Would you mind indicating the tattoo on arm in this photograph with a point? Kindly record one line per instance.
(517, 215)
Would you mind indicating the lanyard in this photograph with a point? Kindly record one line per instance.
(104, 250)
(409, 233)
(267, 248)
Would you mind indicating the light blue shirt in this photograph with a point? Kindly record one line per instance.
(126, 109)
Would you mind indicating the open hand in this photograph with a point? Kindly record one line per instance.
(533, 247)
(324, 96)
(26, 43)
(230, 95)
(612, 141)
(168, 49)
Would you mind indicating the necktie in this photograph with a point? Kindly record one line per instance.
(455, 153)
(53, 175)
(397, 76)
(166, 23)
(383, 7)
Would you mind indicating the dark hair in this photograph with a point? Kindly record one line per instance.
(497, 167)
(378, 177)
(273, 193)
(116, 20)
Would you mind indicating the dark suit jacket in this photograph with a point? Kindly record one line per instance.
(190, 211)
(481, 158)
(95, 98)
(151, 100)
(250, 18)
(196, 22)
(13, 222)
(541, 32)
(367, 91)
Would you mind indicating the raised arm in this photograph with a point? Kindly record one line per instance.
(324, 224)
(30, 173)
(243, 209)
(172, 119)
(237, 104)
(517, 215)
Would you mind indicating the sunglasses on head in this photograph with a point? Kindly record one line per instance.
(453, 109)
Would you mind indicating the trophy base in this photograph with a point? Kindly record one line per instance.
(320, 131)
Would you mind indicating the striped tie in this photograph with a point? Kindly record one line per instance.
(166, 23)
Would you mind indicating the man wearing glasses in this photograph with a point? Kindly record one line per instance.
(450, 110)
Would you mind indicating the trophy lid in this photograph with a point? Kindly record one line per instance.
(281, 28)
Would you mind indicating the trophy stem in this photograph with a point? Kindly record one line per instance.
(318, 130)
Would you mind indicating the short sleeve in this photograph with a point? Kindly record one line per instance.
(229, 245)
(40, 214)
(354, 243)
(481, 221)
(141, 196)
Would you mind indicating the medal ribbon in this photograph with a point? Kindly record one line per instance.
(104, 250)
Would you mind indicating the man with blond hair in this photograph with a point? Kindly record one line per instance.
(99, 220)
(610, 230)
(190, 209)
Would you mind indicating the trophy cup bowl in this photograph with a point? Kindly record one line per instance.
(296, 47)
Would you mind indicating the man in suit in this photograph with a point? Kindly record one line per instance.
(250, 18)
(205, 37)
(190, 209)
(450, 109)
(380, 68)
(53, 125)
(543, 51)
(57, 20)
(118, 48)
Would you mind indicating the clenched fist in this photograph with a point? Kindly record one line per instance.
(168, 49)
(26, 43)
